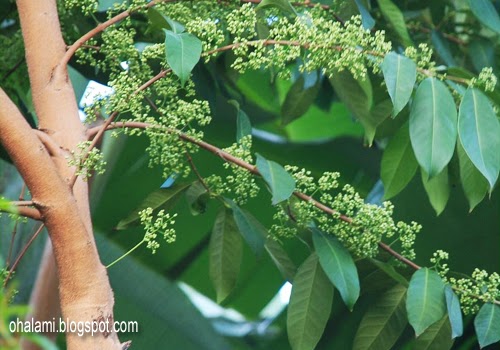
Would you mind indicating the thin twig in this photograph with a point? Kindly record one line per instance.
(23, 252)
(196, 172)
(14, 230)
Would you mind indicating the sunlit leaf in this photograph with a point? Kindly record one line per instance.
(280, 182)
(400, 74)
(454, 312)
(183, 51)
(433, 126)
(478, 128)
(338, 265)
(487, 324)
(425, 303)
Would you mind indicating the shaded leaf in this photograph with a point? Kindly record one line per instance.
(283, 5)
(482, 53)
(384, 321)
(243, 125)
(390, 271)
(433, 126)
(400, 74)
(366, 17)
(281, 259)
(486, 13)
(478, 128)
(299, 98)
(394, 16)
(442, 48)
(425, 303)
(183, 51)
(280, 182)
(159, 199)
(338, 265)
(454, 312)
(310, 305)
(487, 324)
(436, 337)
(438, 189)
(197, 198)
(474, 183)
(225, 253)
(398, 164)
(250, 228)
(160, 21)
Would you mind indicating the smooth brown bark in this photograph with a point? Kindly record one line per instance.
(84, 289)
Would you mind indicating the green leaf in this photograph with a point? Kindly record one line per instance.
(425, 303)
(250, 228)
(478, 128)
(433, 126)
(281, 259)
(400, 74)
(7, 206)
(42, 341)
(486, 13)
(487, 324)
(390, 271)
(225, 252)
(394, 16)
(310, 305)
(482, 53)
(398, 164)
(474, 183)
(438, 189)
(338, 265)
(164, 198)
(442, 48)
(160, 21)
(183, 51)
(280, 182)
(243, 125)
(384, 321)
(454, 312)
(197, 197)
(436, 337)
(300, 97)
(366, 17)
(283, 5)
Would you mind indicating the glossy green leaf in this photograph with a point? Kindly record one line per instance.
(281, 259)
(384, 321)
(183, 51)
(225, 252)
(400, 74)
(356, 94)
(436, 337)
(366, 17)
(283, 5)
(164, 198)
(390, 271)
(378, 114)
(487, 324)
(398, 164)
(280, 182)
(160, 21)
(478, 128)
(250, 228)
(338, 265)
(454, 312)
(433, 126)
(474, 183)
(438, 189)
(197, 197)
(395, 17)
(310, 305)
(425, 303)
(486, 13)
(300, 97)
